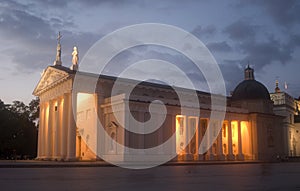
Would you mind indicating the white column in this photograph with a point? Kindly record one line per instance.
(50, 132)
(160, 134)
(126, 132)
(55, 128)
(230, 156)
(64, 126)
(200, 137)
(220, 143)
(186, 141)
(141, 140)
(240, 154)
(100, 119)
(173, 130)
(45, 131)
(59, 126)
(71, 152)
(210, 130)
(40, 133)
(187, 136)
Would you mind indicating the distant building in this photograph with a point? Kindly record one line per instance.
(288, 107)
(256, 126)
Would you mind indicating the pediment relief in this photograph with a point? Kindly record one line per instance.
(50, 77)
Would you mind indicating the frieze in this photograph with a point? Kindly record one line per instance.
(57, 91)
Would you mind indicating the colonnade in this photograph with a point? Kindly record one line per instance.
(224, 140)
(57, 129)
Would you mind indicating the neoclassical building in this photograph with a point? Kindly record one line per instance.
(254, 128)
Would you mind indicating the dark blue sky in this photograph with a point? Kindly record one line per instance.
(264, 33)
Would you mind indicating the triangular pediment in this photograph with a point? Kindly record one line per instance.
(51, 75)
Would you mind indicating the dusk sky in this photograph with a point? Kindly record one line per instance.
(265, 34)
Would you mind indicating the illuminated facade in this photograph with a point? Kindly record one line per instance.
(251, 129)
(254, 128)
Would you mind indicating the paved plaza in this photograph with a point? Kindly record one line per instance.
(256, 176)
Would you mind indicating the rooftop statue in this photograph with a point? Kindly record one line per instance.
(75, 59)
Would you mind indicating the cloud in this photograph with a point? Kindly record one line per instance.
(99, 2)
(31, 38)
(294, 40)
(50, 3)
(206, 31)
(229, 67)
(284, 13)
(130, 56)
(219, 46)
(260, 48)
(240, 30)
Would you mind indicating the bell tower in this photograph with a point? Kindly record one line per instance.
(249, 73)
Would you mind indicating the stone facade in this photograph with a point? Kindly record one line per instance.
(69, 122)
(288, 107)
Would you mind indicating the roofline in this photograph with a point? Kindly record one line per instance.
(133, 81)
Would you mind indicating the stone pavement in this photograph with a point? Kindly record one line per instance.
(46, 164)
(183, 176)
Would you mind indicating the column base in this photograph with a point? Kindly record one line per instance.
(221, 157)
(71, 159)
(240, 157)
(188, 157)
(43, 158)
(56, 158)
(211, 157)
(40, 158)
(200, 157)
(179, 157)
(230, 157)
(196, 156)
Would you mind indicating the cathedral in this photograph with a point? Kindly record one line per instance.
(258, 125)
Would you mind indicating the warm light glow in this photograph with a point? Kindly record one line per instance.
(225, 138)
(246, 142)
(83, 97)
(180, 134)
(86, 124)
(46, 125)
(234, 133)
(193, 135)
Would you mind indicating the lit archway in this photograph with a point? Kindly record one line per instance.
(246, 141)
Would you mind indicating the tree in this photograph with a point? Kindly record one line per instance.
(18, 130)
(34, 109)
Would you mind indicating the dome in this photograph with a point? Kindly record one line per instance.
(250, 89)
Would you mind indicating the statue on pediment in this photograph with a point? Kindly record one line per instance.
(75, 59)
